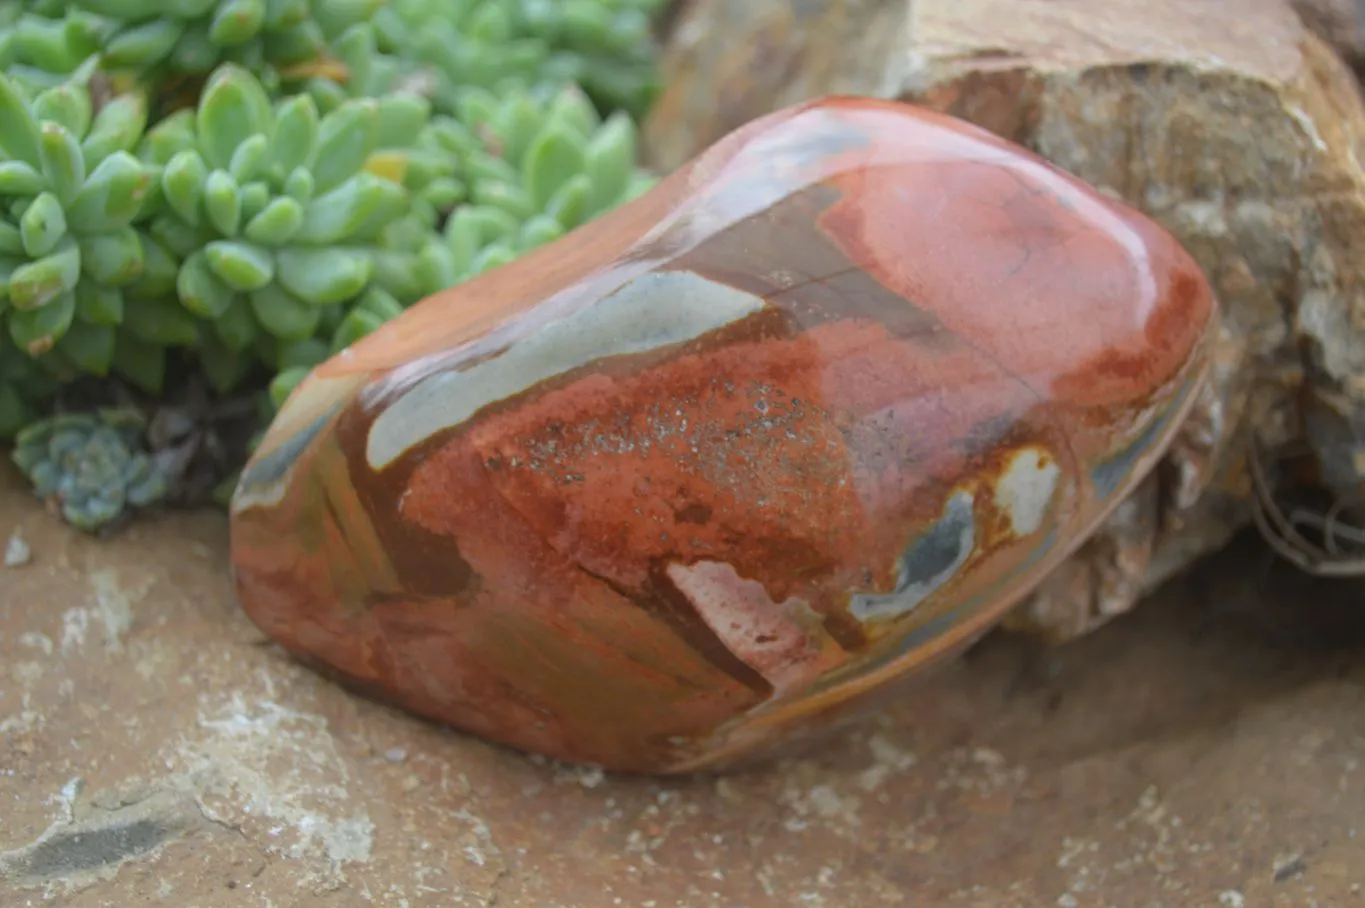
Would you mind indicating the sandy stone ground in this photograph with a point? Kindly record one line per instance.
(1205, 750)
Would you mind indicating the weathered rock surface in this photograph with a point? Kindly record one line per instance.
(1230, 121)
(1341, 23)
(156, 751)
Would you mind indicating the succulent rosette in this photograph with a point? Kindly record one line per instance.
(194, 36)
(91, 466)
(272, 212)
(536, 169)
(605, 46)
(43, 41)
(81, 284)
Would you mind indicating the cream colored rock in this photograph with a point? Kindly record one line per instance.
(1229, 121)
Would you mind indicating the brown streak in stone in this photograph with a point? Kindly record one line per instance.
(430, 564)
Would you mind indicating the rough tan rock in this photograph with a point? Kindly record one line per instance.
(1341, 23)
(1230, 121)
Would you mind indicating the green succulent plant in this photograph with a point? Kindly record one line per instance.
(42, 42)
(91, 465)
(312, 168)
(363, 70)
(195, 36)
(75, 265)
(272, 212)
(25, 386)
(535, 169)
(605, 46)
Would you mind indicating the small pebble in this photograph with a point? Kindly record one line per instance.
(1288, 866)
(17, 552)
(395, 755)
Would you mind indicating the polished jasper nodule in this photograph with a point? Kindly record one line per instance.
(699, 479)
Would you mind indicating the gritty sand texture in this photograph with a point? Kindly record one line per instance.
(1204, 750)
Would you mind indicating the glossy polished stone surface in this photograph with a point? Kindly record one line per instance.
(704, 477)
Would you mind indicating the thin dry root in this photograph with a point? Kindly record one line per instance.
(1281, 532)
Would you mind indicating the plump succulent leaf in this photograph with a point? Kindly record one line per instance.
(323, 276)
(37, 283)
(346, 137)
(235, 107)
(42, 225)
(67, 105)
(556, 155)
(63, 162)
(111, 196)
(283, 314)
(201, 290)
(113, 258)
(609, 161)
(293, 137)
(19, 132)
(36, 330)
(118, 127)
